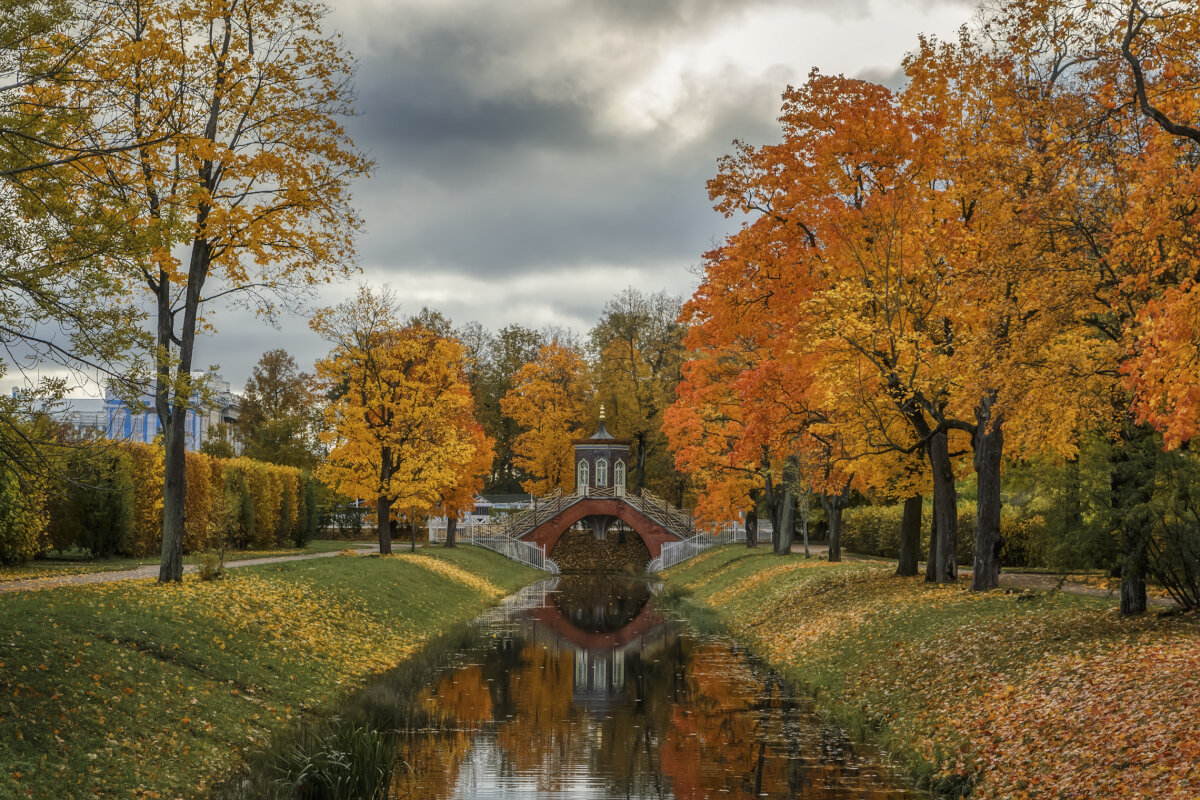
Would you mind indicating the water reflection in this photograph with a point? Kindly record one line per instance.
(583, 690)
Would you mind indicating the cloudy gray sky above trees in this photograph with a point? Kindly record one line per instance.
(536, 156)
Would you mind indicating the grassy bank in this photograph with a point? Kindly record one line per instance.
(1007, 695)
(130, 689)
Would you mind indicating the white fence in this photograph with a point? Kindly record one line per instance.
(676, 552)
(491, 537)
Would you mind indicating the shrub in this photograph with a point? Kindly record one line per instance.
(212, 566)
(146, 465)
(198, 503)
(22, 518)
(96, 510)
(309, 513)
(875, 531)
(351, 762)
(236, 521)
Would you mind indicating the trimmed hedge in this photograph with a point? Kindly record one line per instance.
(875, 531)
(111, 503)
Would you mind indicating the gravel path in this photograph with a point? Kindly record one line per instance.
(150, 571)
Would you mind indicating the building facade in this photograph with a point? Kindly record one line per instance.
(601, 461)
(211, 414)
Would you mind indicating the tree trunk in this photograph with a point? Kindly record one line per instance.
(752, 527)
(1072, 502)
(785, 533)
(772, 501)
(833, 512)
(383, 524)
(174, 495)
(641, 462)
(804, 514)
(175, 427)
(412, 527)
(910, 537)
(943, 554)
(931, 560)
(451, 529)
(988, 444)
(1130, 482)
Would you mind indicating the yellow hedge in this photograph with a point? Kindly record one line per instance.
(274, 491)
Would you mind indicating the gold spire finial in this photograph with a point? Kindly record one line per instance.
(602, 411)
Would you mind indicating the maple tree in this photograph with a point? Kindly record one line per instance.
(469, 480)
(400, 426)
(59, 305)
(238, 180)
(549, 402)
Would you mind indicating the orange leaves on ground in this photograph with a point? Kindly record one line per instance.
(1023, 696)
(1119, 722)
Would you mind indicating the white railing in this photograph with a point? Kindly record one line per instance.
(493, 538)
(676, 552)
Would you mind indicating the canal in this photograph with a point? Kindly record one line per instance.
(581, 687)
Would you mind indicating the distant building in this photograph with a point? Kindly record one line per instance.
(112, 418)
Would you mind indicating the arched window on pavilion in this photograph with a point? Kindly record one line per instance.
(602, 472)
(619, 475)
(581, 478)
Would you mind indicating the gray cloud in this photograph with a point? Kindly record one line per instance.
(527, 169)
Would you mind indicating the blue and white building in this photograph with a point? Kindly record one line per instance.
(113, 418)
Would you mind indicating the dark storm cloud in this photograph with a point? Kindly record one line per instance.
(499, 149)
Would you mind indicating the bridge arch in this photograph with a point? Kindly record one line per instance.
(652, 533)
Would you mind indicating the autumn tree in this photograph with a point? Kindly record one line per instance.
(239, 179)
(61, 310)
(549, 403)
(638, 350)
(276, 413)
(494, 360)
(400, 426)
(459, 497)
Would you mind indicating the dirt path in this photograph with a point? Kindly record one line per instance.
(1017, 580)
(150, 571)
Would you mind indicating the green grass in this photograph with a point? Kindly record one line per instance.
(898, 661)
(136, 690)
(79, 562)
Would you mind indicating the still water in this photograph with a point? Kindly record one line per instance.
(582, 689)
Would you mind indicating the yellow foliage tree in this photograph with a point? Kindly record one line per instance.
(549, 403)
(400, 423)
(239, 176)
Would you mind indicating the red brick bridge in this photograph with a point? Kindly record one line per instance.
(655, 520)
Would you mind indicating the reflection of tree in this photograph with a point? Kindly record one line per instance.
(684, 718)
(542, 734)
(739, 733)
(432, 758)
(600, 603)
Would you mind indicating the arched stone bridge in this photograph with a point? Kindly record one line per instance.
(655, 520)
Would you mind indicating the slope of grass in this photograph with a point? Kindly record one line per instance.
(132, 689)
(1004, 695)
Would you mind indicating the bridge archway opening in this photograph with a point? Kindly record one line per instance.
(578, 549)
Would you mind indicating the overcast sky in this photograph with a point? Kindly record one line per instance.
(536, 156)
